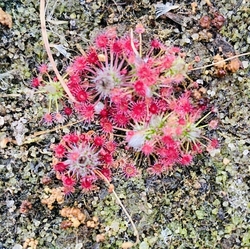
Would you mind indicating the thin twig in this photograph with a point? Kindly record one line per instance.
(216, 63)
(47, 47)
(136, 233)
(39, 133)
(10, 95)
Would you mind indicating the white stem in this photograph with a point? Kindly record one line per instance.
(47, 47)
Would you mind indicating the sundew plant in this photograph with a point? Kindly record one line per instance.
(139, 99)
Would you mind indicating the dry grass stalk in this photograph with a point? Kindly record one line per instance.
(47, 47)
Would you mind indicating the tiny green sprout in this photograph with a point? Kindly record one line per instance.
(55, 92)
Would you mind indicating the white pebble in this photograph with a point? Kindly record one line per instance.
(245, 152)
(1, 121)
(17, 246)
(231, 146)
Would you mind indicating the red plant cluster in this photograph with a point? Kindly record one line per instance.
(139, 100)
(80, 157)
(216, 21)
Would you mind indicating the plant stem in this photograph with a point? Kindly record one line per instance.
(136, 233)
(215, 63)
(47, 47)
(133, 44)
(39, 133)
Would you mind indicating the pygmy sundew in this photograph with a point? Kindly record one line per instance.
(141, 101)
(79, 157)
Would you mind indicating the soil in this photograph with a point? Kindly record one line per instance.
(205, 205)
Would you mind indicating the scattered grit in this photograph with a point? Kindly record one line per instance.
(203, 206)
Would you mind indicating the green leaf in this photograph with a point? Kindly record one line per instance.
(200, 214)
(246, 239)
(236, 220)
